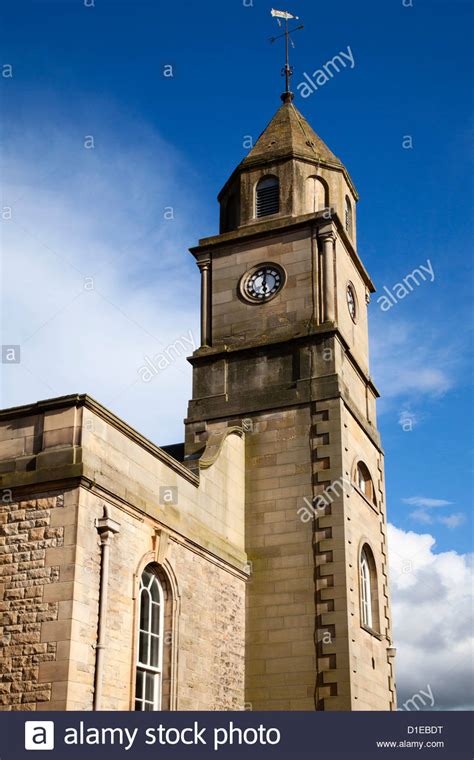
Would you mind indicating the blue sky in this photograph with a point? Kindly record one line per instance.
(78, 213)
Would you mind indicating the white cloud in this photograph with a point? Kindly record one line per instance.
(423, 514)
(451, 521)
(410, 366)
(432, 619)
(94, 277)
(424, 501)
(454, 520)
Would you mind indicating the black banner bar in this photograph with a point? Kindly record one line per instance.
(231, 735)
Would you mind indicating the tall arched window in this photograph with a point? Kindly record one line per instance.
(267, 196)
(348, 216)
(365, 590)
(364, 482)
(149, 678)
(369, 609)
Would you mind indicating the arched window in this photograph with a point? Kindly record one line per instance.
(348, 216)
(364, 482)
(267, 200)
(231, 213)
(317, 196)
(369, 605)
(149, 677)
(365, 590)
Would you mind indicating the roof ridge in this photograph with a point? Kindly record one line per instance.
(301, 120)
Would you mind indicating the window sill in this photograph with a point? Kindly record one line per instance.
(372, 632)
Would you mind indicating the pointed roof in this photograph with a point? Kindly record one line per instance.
(289, 134)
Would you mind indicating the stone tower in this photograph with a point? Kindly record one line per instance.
(284, 354)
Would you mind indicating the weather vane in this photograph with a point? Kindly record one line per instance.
(287, 70)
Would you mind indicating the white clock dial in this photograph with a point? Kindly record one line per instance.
(264, 282)
(351, 302)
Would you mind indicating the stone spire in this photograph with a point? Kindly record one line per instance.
(288, 135)
(309, 176)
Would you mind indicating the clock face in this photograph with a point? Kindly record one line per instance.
(263, 282)
(351, 302)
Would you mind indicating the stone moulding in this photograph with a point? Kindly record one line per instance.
(214, 446)
(86, 401)
(262, 228)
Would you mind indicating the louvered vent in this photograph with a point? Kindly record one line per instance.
(268, 197)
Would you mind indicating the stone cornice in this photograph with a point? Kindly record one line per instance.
(327, 329)
(266, 228)
(327, 387)
(79, 400)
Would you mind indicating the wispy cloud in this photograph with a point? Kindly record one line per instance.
(421, 516)
(424, 515)
(410, 366)
(453, 521)
(424, 501)
(96, 273)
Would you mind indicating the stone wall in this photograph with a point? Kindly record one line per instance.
(366, 523)
(233, 319)
(50, 558)
(29, 530)
(207, 629)
(280, 651)
(211, 634)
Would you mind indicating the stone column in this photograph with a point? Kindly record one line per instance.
(329, 295)
(316, 317)
(205, 267)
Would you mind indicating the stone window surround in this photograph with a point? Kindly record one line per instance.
(158, 632)
(374, 505)
(364, 544)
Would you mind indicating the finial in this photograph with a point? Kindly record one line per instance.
(287, 70)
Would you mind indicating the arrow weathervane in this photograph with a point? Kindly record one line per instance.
(287, 71)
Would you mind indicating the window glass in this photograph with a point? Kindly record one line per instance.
(150, 643)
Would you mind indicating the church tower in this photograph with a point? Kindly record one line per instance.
(284, 355)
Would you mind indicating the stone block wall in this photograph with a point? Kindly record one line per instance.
(50, 560)
(206, 634)
(211, 644)
(280, 651)
(30, 529)
(233, 318)
(366, 523)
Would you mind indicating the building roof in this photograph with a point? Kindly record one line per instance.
(289, 134)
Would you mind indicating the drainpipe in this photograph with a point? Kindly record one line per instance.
(106, 528)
